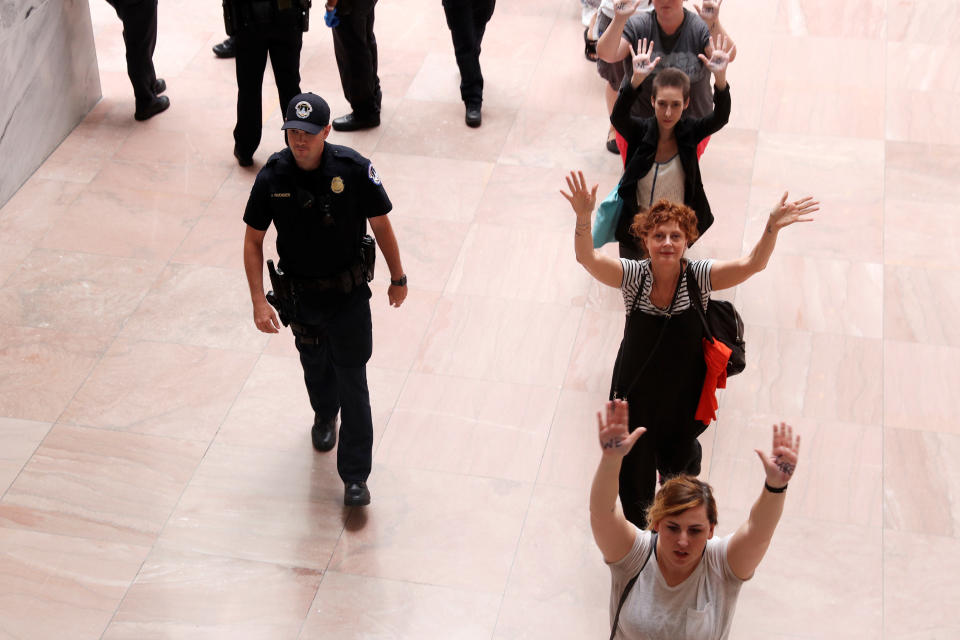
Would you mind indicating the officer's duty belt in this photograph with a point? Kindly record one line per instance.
(344, 281)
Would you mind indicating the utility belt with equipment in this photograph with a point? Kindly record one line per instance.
(288, 291)
(244, 14)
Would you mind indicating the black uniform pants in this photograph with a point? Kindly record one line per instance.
(139, 19)
(355, 47)
(283, 43)
(335, 372)
(467, 20)
(671, 450)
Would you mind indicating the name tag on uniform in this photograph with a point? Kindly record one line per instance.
(279, 195)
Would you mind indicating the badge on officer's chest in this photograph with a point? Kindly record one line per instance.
(336, 185)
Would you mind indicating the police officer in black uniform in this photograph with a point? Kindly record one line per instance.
(139, 19)
(355, 47)
(320, 196)
(259, 27)
(467, 20)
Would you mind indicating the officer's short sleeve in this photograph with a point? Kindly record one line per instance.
(375, 200)
(257, 214)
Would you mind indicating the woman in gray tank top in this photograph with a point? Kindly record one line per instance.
(676, 581)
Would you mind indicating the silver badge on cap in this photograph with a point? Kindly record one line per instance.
(303, 109)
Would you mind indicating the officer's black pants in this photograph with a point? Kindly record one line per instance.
(252, 46)
(467, 20)
(671, 450)
(355, 47)
(139, 19)
(336, 375)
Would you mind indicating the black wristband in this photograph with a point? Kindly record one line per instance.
(774, 489)
(402, 282)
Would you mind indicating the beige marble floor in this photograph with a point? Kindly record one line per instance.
(156, 474)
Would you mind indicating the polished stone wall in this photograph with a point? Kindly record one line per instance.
(48, 81)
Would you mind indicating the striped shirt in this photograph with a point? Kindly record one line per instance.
(633, 271)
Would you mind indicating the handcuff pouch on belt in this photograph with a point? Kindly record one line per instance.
(288, 291)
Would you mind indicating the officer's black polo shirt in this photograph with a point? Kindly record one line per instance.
(320, 215)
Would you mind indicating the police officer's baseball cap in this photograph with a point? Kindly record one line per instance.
(308, 112)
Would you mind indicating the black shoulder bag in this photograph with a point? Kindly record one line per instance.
(721, 322)
(626, 589)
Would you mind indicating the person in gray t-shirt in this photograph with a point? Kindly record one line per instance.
(675, 580)
(679, 36)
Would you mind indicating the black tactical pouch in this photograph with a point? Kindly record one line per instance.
(368, 256)
(281, 297)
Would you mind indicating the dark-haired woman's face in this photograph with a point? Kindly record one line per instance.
(666, 242)
(682, 538)
(668, 105)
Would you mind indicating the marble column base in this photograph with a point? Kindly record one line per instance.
(50, 81)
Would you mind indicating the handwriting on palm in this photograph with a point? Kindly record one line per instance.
(719, 56)
(643, 61)
(781, 462)
(615, 437)
(626, 7)
(709, 11)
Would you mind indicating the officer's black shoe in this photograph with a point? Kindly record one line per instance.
(159, 104)
(324, 434)
(473, 118)
(159, 86)
(225, 49)
(242, 160)
(354, 122)
(356, 494)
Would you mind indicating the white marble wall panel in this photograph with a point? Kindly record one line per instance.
(48, 81)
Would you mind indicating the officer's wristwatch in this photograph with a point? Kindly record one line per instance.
(402, 282)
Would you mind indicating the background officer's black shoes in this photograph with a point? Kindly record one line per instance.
(225, 49)
(159, 104)
(356, 494)
(324, 436)
(244, 161)
(473, 118)
(354, 122)
(159, 86)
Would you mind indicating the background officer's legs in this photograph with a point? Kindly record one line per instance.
(467, 20)
(140, 38)
(355, 48)
(251, 60)
(285, 60)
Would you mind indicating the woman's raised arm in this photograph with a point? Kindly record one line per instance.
(729, 273)
(612, 532)
(750, 542)
(602, 267)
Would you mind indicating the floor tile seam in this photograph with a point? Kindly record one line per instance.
(186, 487)
(451, 474)
(512, 301)
(536, 480)
(57, 421)
(125, 430)
(883, 322)
(498, 158)
(523, 523)
(419, 583)
(64, 536)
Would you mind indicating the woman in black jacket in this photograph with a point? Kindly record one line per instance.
(662, 157)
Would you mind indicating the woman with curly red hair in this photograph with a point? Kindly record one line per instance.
(660, 368)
